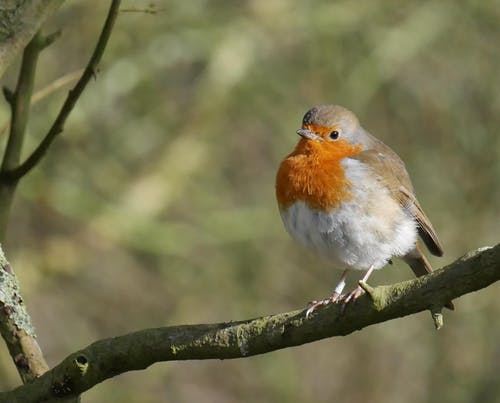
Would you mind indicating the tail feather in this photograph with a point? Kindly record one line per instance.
(421, 266)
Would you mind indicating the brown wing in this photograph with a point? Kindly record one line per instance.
(392, 172)
(425, 229)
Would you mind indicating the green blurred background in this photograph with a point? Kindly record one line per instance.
(156, 206)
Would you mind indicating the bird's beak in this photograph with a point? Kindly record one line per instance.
(307, 134)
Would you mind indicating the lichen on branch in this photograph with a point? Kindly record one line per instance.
(16, 327)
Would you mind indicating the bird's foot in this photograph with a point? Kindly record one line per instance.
(335, 298)
(315, 305)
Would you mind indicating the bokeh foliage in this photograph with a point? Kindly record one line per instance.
(156, 206)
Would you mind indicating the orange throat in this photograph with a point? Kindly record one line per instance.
(312, 173)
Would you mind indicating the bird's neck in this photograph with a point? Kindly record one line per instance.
(313, 173)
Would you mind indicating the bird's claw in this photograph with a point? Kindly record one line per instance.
(314, 305)
(335, 298)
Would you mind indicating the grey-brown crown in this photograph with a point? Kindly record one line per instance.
(330, 115)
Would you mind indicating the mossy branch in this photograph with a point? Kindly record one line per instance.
(107, 358)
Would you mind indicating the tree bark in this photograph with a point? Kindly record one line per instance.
(16, 328)
(20, 20)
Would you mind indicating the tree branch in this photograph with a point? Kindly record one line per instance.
(19, 102)
(73, 96)
(20, 20)
(16, 327)
(109, 357)
(43, 92)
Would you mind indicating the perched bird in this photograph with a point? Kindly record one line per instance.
(347, 196)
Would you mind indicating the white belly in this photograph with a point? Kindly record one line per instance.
(366, 231)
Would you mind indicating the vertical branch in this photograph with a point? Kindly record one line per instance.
(19, 102)
(20, 107)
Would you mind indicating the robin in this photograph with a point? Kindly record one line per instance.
(348, 197)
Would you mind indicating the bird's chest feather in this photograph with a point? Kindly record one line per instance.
(354, 221)
(315, 176)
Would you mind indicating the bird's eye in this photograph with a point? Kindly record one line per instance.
(334, 135)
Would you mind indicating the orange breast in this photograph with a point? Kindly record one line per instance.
(312, 173)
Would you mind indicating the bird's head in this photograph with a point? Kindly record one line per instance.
(328, 124)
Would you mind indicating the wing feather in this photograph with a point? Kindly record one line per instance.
(392, 172)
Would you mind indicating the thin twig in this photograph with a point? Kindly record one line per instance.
(19, 102)
(49, 39)
(55, 85)
(150, 10)
(109, 357)
(8, 95)
(73, 96)
(46, 91)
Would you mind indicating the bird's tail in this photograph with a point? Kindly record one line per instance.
(421, 266)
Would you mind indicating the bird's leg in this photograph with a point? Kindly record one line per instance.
(336, 295)
(339, 287)
(353, 295)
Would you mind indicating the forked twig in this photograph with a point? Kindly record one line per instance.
(73, 96)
